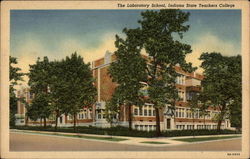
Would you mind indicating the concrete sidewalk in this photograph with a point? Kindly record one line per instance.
(157, 141)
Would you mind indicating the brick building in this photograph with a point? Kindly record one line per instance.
(143, 117)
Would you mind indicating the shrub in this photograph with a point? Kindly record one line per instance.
(124, 131)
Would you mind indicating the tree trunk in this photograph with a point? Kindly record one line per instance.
(221, 117)
(56, 123)
(44, 119)
(130, 116)
(57, 116)
(193, 124)
(204, 121)
(26, 120)
(41, 122)
(74, 122)
(157, 117)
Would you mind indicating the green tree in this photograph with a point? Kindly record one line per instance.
(157, 36)
(112, 109)
(40, 107)
(236, 114)
(78, 85)
(39, 80)
(222, 83)
(57, 88)
(194, 106)
(14, 76)
(128, 71)
(164, 53)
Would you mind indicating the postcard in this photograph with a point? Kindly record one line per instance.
(125, 79)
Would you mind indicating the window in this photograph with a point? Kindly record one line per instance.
(180, 127)
(182, 112)
(150, 111)
(188, 113)
(135, 111)
(140, 111)
(208, 115)
(99, 116)
(179, 113)
(153, 112)
(145, 112)
(196, 114)
(137, 127)
(70, 117)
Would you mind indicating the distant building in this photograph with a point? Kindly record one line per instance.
(187, 84)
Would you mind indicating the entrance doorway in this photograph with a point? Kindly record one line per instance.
(61, 120)
(168, 123)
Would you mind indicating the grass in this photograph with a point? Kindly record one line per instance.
(153, 142)
(94, 137)
(205, 138)
(115, 139)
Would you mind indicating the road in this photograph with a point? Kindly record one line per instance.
(31, 142)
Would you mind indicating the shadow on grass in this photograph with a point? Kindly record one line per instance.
(205, 138)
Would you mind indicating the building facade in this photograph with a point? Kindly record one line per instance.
(182, 117)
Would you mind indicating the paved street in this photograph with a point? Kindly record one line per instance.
(31, 142)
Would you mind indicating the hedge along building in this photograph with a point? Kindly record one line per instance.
(187, 84)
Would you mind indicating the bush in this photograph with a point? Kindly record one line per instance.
(124, 131)
(174, 133)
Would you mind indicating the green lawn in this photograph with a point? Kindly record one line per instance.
(196, 139)
(85, 137)
(153, 142)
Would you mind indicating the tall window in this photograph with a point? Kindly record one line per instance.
(149, 112)
(140, 111)
(136, 111)
(179, 112)
(182, 112)
(145, 111)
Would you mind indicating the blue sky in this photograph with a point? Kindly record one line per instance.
(57, 33)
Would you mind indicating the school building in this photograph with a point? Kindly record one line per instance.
(143, 117)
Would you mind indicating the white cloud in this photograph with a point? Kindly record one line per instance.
(96, 53)
(32, 48)
(210, 43)
(28, 54)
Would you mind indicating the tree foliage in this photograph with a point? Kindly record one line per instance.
(155, 36)
(128, 71)
(112, 109)
(222, 83)
(14, 76)
(39, 81)
(78, 87)
(60, 87)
